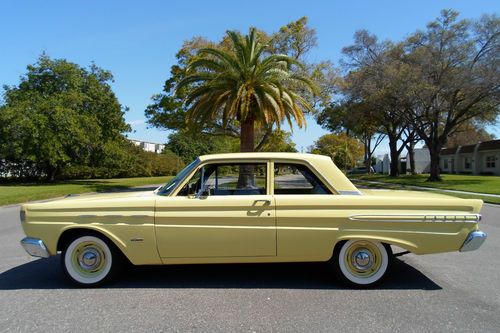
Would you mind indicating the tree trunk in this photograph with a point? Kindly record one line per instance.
(435, 150)
(264, 140)
(393, 146)
(51, 173)
(368, 156)
(411, 156)
(368, 163)
(246, 179)
(247, 135)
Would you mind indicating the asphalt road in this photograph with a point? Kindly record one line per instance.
(433, 293)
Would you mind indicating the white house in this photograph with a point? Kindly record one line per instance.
(476, 159)
(422, 159)
(149, 146)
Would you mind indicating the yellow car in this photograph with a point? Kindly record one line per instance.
(250, 208)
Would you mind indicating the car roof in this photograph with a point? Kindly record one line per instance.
(266, 155)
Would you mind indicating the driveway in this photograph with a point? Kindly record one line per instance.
(452, 292)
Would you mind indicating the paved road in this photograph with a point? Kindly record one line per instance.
(434, 293)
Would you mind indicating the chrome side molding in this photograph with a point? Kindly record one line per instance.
(471, 218)
(350, 193)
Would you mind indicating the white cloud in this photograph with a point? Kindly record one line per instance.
(136, 122)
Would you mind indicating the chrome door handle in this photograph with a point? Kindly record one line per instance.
(265, 201)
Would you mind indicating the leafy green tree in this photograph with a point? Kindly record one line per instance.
(377, 79)
(189, 145)
(245, 86)
(296, 40)
(279, 141)
(344, 150)
(468, 133)
(356, 119)
(61, 115)
(454, 78)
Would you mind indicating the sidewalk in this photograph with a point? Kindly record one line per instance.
(426, 188)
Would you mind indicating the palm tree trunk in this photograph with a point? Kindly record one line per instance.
(247, 135)
(247, 138)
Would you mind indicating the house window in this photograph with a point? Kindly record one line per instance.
(445, 164)
(490, 162)
(467, 163)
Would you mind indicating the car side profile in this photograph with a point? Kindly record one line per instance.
(250, 208)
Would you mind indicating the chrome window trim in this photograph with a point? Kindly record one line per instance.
(350, 193)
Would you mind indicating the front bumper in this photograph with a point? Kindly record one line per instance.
(35, 247)
(473, 241)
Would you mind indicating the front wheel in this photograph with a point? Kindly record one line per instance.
(361, 263)
(89, 260)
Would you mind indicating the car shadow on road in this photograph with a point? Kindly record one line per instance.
(47, 274)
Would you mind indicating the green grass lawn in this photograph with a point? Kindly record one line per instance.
(481, 184)
(18, 193)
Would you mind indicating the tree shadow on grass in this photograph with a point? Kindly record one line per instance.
(47, 274)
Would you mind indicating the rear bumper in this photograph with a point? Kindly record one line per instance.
(473, 241)
(35, 247)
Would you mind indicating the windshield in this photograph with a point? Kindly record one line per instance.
(167, 188)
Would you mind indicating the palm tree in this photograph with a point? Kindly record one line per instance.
(246, 85)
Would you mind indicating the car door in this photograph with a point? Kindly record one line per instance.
(305, 212)
(224, 210)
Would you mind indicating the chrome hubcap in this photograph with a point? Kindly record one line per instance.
(362, 259)
(89, 259)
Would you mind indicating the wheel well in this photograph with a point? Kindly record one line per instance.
(339, 244)
(68, 235)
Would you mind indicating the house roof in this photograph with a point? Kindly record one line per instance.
(490, 145)
(449, 151)
(467, 149)
(487, 145)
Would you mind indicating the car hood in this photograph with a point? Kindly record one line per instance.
(115, 200)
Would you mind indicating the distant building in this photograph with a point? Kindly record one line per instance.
(149, 146)
(382, 164)
(422, 159)
(476, 159)
(422, 162)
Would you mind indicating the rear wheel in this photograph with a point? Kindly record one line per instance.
(90, 260)
(361, 263)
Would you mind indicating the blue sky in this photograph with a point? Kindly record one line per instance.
(137, 40)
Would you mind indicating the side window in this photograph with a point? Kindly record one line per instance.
(192, 186)
(228, 179)
(297, 179)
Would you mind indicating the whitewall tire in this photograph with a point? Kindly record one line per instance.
(89, 260)
(361, 263)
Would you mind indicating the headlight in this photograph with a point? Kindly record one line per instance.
(22, 215)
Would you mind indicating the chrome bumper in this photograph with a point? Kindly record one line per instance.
(35, 247)
(473, 241)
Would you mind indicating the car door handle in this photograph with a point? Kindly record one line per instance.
(265, 201)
